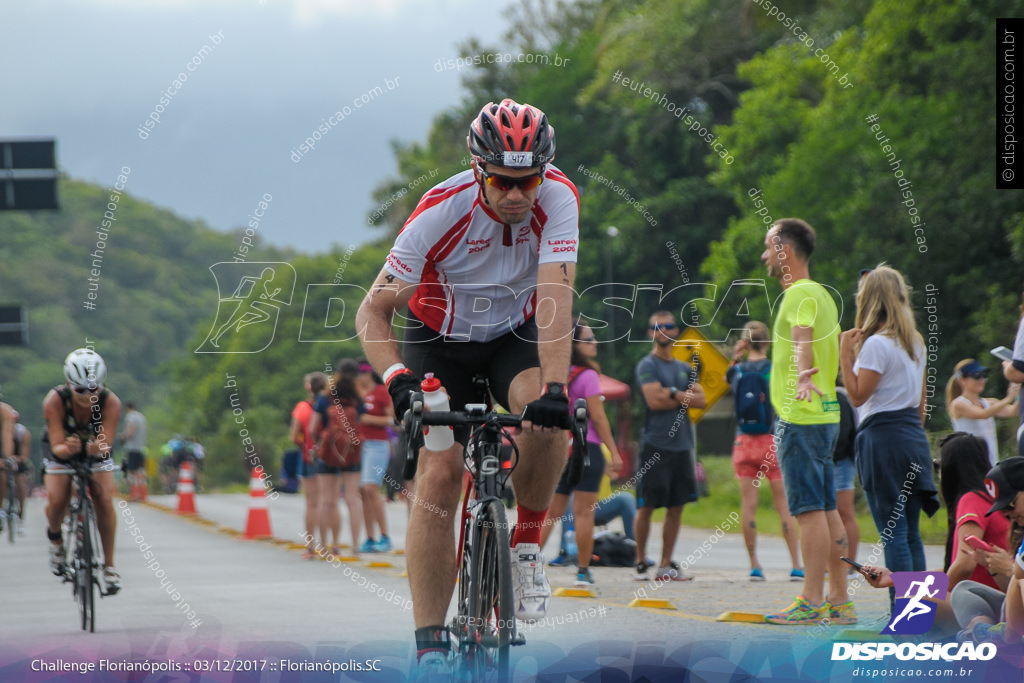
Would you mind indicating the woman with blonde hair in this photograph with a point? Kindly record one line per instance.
(883, 363)
(971, 413)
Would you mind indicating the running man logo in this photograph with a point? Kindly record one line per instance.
(914, 613)
(258, 292)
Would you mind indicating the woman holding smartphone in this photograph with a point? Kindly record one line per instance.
(963, 463)
(971, 413)
(883, 363)
(984, 613)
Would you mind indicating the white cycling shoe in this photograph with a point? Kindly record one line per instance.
(112, 579)
(57, 561)
(529, 584)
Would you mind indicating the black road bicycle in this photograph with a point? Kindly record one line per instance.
(12, 506)
(484, 626)
(82, 551)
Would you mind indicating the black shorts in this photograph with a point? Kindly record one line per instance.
(320, 467)
(666, 479)
(590, 482)
(455, 363)
(135, 460)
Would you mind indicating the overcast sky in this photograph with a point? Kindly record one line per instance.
(91, 72)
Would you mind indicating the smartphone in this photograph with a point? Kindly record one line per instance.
(1002, 353)
(859, 567)
(978, 544)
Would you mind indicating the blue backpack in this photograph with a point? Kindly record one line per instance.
(754, 414)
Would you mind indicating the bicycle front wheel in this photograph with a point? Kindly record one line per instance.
(13, 513)
(491, 610)
(86, 574)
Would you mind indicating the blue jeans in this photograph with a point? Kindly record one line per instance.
(621, 504)
(805, 457)
(900, 535)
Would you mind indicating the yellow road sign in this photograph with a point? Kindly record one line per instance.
(694, 348)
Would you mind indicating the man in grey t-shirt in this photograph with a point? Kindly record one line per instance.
(667, 475)
(133, 440)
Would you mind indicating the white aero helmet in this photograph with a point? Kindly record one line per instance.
(85, 368)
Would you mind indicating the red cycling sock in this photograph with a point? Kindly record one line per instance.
(432, 639)
(528, 526)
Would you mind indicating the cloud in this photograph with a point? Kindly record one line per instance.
(305, 13)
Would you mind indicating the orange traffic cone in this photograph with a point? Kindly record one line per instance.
(137, 492)
(186, 491)
(258, 523)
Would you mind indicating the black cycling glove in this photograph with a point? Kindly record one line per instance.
(551, 409)
(401, 388)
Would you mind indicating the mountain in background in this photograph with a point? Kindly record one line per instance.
(150, 282)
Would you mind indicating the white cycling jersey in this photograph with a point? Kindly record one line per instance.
(477, 276)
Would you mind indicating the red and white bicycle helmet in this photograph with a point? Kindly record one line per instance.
(511, 135)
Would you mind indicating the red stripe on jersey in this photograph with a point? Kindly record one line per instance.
(537, 223)
(435, 197)
(426, 302)
(530, 307)
(560, 177)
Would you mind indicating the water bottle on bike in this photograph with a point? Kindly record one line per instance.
(436, 438)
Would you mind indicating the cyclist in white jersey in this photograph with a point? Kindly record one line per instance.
(485, 255)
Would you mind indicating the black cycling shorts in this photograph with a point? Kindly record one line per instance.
(590, 480)
(455, 363)
(136, 460)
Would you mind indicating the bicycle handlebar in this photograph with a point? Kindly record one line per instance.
(415, 418)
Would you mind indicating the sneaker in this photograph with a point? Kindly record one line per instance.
(57, 563)
(584, 579)
(672, 573)
(642, 572)
(756, 574)
(562, 560)
(799, 613)
(368, 546)
(435, 667)
(532, 591)
(112, 580)
(3, 520)
(796, 575)
(981, 633)
(984, 633)
(843, 614)
(383, 545)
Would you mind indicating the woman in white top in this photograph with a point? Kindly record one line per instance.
(971, 413)
(883, 363)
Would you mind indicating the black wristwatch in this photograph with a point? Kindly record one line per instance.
(555, 388)
(672, 392)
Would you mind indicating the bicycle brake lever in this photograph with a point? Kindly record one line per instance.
(413, 423)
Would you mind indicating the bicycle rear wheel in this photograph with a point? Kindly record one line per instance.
(489, 620)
